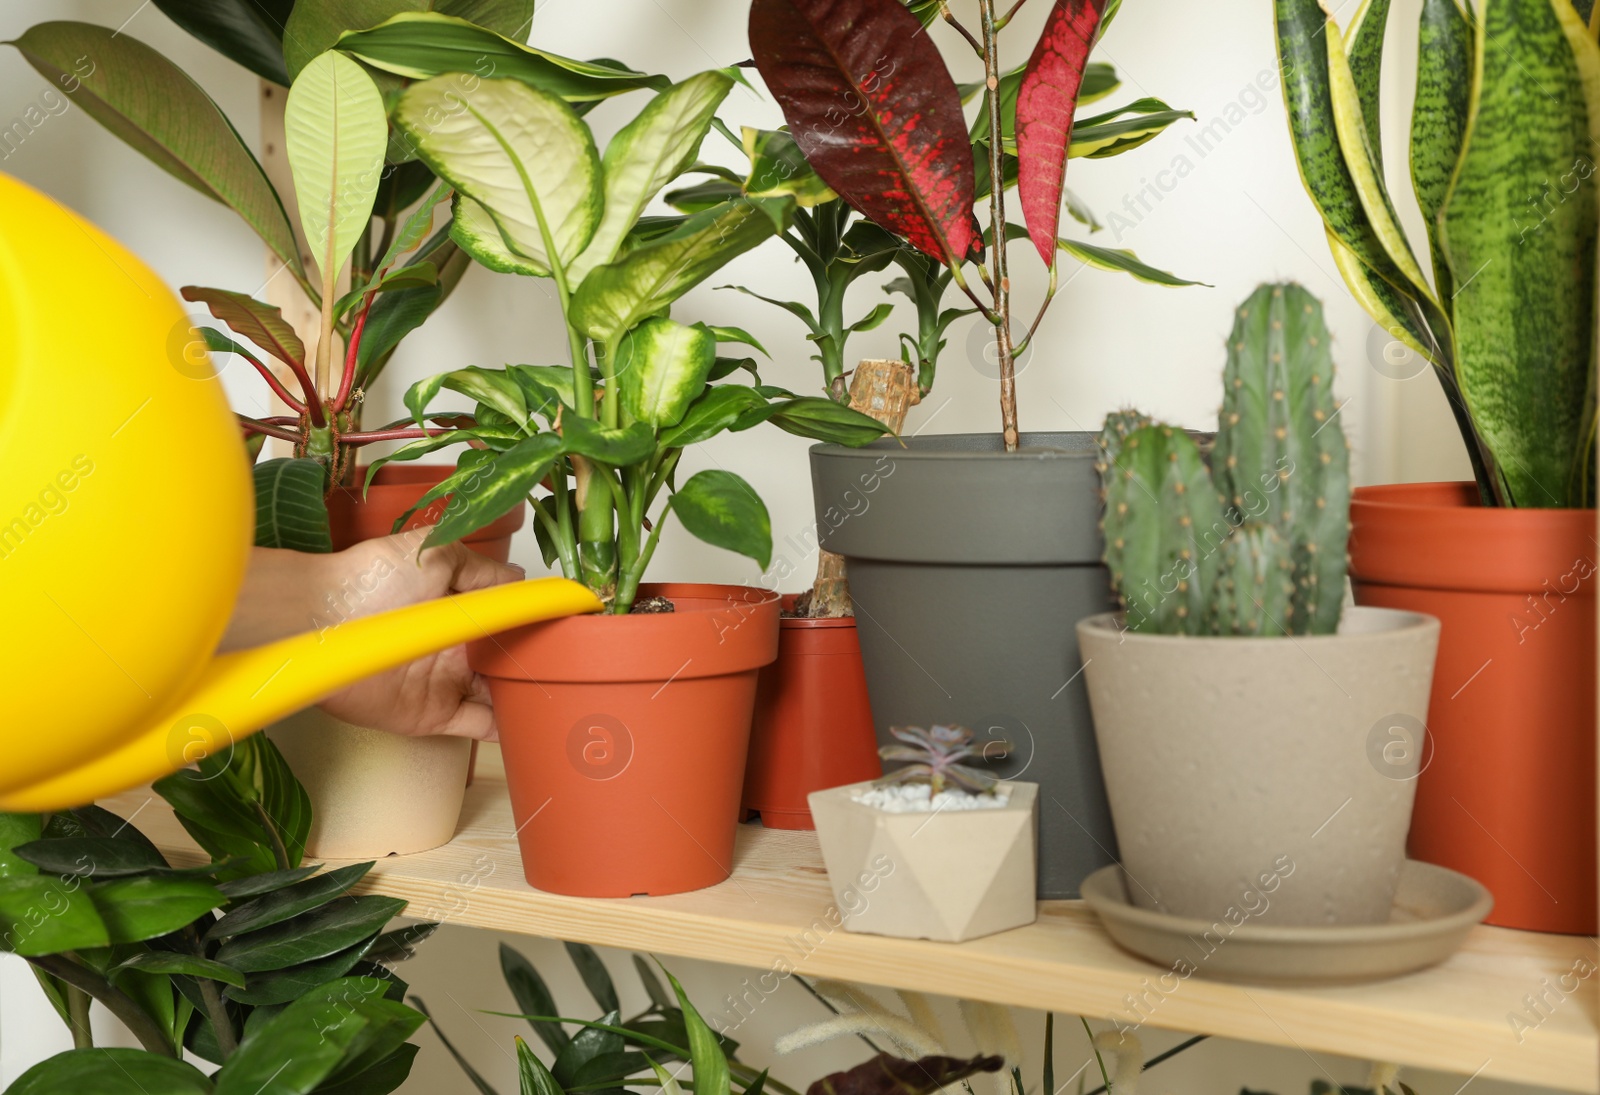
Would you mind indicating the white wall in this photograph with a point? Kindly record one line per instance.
(1235, 217)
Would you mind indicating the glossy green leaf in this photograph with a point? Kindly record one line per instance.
(281, 986)
(91, 856)
(309, 936)
(44, 915)
(186, 964)
(617, 446)
(422, 45)
(1122, 261)
(520, 153)
(380, 1079)
(711, 1075)
(154, 107)
(595, 977)
(494, 387)
(335, 133)
(1123, 129)
(1439, 119)
(588, 1044)
(284, 800)
(532, 1075)
(736, 335)
(315, 27)
(111, 1071)
(661, 368)
(824, 420)
(489, 493)
(16, 829)
(646, 154)
(644, 282)
(659, 997)
(401, 944)
(532, 996)
(135, 909)
(254, 885)
(723, 510)
(290, 510)
(715, 411)
(1363, 42)
(247, 31)
(304, 1043)
(280, 905)
(1524, 309)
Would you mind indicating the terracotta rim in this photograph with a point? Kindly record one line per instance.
(808, 622)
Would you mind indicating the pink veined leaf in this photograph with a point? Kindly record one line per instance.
(871, 104)
(1046, 101)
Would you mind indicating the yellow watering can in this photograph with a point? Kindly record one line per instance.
(126, 519)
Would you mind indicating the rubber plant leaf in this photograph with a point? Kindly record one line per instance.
(520, 153)
(661, 368)
(1363, 43)
(889, 1075)
(1524, 309)
(315, 27)
(656, 147)
(869, 100)
(420, 45)
(247, 31)
(155, 108)
(1047, 98)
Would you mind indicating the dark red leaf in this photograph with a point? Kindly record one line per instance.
(888, 1075)
(872, 106)
(1045, 105)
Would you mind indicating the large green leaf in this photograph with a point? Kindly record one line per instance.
(646, 154)
(290, 510)
(280, 986)
(254, 885)
(1524, 309)
(717, 409)
(111, 1071)
(135, 909)
(92, 856)
(1439, 119)
(16, 829)
(380, 1079)
(725, 511)
(485, 494)
(309, 936)
(1363, 42)
(335, 132)
(152, 105)
(589, 1044)
(318, 26)
(247, 31)
(187, 964)
(661, 368)
(617, 446)
(824, 420)
(615, 297)
(520, 153)
(532, 996)
(46, 915)
(419, 46)
(280, 905)
(307, 1041)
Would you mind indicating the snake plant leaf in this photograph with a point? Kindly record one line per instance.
(1122, 261)
(111, 1071)
(420, 45)
(1524, 309)
(723, 510)
(290, 511)
(868, 98)
(1391, 309)
(1128, 127)
(519, 152)
(247, 31)
(661, 368)
(1439, 119)
(616, 297)
(1363, 43)
(315, 27)
(334, 130)
(660, 143)
(1047, 99)
(155, 108)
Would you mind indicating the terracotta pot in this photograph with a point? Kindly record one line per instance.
(624, 738)
(1249, 773)
(1507, 790)
(813, 722)
(375, 794)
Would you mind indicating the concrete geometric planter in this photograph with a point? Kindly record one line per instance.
(1264, 777)
(948, 875)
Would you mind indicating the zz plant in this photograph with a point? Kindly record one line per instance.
(246, 962)
(1254, 544)
(1502, 166)
(534, 197)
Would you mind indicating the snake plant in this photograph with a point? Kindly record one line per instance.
(1501, 149)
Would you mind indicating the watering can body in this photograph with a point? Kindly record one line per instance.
(126, 520)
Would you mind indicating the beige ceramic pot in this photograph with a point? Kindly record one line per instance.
(1265, 779)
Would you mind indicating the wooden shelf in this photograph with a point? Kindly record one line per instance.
(773, 914)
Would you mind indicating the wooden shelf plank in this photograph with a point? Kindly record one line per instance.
(777, 915)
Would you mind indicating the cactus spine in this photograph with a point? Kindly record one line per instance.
(1268, 541)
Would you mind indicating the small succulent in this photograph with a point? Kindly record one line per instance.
(934, 756)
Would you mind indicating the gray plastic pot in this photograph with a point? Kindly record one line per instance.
(1267, 780)
(968, 568)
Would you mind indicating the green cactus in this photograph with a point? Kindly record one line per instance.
(1261, 538)
(1163, 521)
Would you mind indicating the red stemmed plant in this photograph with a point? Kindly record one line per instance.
(869, 100)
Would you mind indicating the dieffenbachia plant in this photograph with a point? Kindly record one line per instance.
(1502, 149)
(534, 196)
(878, 116)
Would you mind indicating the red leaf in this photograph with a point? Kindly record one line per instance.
(1045, 105)
(872, 106)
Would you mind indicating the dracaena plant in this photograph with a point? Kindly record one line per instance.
(243, 962)
(877, 114)
(595, 447)
(1502, 166)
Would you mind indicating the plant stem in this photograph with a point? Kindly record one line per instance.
(997, 221)
(279, 852)
(949, 17)
(117, 1002)
(403, 433)
(217, 1012)
(348, 379)
(78, 1017)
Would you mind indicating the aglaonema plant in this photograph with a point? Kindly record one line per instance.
(1254, 544)
(1502, 166)
(244, 962)
(871, 104)
(603, 435)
